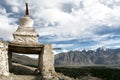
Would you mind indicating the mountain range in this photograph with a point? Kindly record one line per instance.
(76, 58)
(89, 57)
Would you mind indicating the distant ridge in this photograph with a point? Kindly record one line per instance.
(99, 56)
(25, 60)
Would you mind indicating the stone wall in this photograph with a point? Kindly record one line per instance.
(46, 61)
(4, 69)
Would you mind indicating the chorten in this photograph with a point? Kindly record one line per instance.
(26, 34)
(26, 42)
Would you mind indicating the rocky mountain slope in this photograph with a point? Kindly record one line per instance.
(98, 56)
(76, 58)
(25, 60)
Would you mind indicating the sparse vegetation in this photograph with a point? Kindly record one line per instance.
(100, 72)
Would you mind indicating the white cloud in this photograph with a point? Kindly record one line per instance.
(6, 29)
(15, 9)
(2, 10)
(59, 51)
(80, 23)
(62, 45)
(35, 56)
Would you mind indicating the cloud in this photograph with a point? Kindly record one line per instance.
(2, 10)
(80, 23)
(62, 46)
(6, 28)
(92, 21)
(93, 15)
(15, 9)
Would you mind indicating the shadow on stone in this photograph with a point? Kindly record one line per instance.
(22, 70)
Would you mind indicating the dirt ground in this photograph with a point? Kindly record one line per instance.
(22, 72)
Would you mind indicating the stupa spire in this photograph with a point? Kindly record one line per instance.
(27, 10)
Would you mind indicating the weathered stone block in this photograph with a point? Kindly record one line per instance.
(4, 70)
(46, 62)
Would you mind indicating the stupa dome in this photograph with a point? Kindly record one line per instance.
(26, 22)
(25, 33)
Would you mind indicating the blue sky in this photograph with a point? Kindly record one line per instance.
(68, 24)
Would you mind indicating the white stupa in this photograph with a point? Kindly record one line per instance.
(26, 42)
(26, 34)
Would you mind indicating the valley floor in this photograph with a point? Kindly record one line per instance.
(22, 72)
